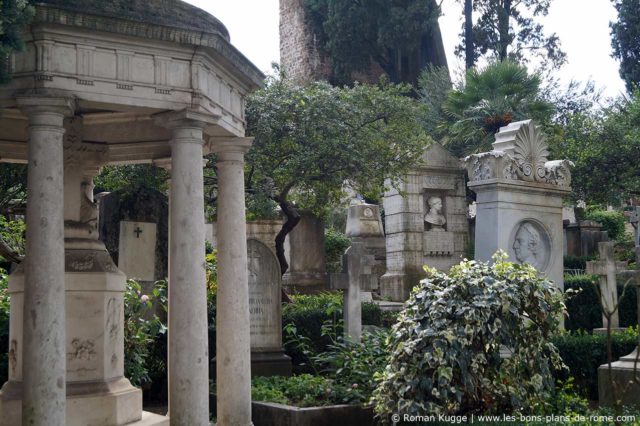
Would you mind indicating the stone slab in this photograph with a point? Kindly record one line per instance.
(137, 250)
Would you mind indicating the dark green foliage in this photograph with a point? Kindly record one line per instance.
(142, 329)
(12, 239)
(112, 178)
(13, 184)
(585, 312)
(309, 313)
(491, 98)
(577, 262)
(445, 346)
(303, 390)
(355, 33)
(625, 40)
(434, 85)
(604, 144)
(355, 365)
(335, 244)
(612, 221)
(506, 29)
(4, 326)
(15, 15)
(583, 353)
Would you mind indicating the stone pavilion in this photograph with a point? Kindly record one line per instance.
(121, 82)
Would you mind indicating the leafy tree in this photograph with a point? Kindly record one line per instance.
(312, 141)
(14, 16)
(112, 178)
(13, 184)
(604, 144)
(354, 33)
(625, 40)
(506, 29)
(491, 98)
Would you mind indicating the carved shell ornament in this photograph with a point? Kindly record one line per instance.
(530, 153)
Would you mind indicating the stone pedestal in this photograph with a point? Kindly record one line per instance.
(519, 200)
(582, 238)
(364, 225)
(304, 247)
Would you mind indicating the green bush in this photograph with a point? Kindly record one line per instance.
(141, 333)
(335, 244)
(577, 262)
(583, 353)
(445, 347)
(585, 312)
(611, 221)
(304, 390)
(4, 326)
(355, 365)
(309, 313)
(12, 234)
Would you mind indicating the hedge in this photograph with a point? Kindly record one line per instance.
(309, 312)
(585, 312)
(583, 353)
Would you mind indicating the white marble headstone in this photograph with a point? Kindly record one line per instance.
(137, 250)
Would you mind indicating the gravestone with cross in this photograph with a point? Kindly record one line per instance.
(137, 250)
(356, 267)
(606, 269)
(634, 219)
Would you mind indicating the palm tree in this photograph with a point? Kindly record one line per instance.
(491, 98)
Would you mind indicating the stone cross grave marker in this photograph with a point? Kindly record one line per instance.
(635, 221)
(356, 266)
(606, 268)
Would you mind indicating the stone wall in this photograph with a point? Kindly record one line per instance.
(299, 55)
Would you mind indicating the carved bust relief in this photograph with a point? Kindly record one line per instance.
(434, 218)
(531, 244)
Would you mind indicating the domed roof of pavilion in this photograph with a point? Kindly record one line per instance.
(170, 13)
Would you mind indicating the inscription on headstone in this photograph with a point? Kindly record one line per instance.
(264, 297)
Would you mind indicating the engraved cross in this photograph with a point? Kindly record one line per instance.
(137, 231)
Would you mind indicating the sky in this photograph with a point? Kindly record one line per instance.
(582, 25)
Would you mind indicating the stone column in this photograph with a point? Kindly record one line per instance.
(44, 368)
(188, 345)
(233, 352)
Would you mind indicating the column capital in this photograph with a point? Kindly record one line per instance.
(34, 104)
(185, 118)
(238, 145)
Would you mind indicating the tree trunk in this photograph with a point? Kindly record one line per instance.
(293, 217)
(8, 253)
(469, 48)
(504, 13)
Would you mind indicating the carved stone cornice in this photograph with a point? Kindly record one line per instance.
(520, 153)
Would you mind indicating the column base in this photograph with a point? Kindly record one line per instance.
(305, 282)
(622, 373)
(397, 286)
(114, 403)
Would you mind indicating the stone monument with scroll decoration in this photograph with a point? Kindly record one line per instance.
(519, 199)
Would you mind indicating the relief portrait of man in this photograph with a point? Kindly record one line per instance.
(529, 247)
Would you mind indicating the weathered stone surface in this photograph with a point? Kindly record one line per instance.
(304, 248)
(519, 200)
(137, 250)
(427, 224)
